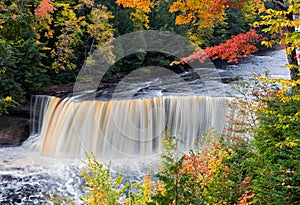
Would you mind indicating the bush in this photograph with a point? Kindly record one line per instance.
(101, 188)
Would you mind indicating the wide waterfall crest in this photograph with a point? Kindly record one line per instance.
(118, 128)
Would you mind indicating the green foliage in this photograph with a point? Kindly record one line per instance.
(275, 128)
(121, 22)
(234, 24)
(277, 142)
(20, 55)
(162, 20)
(22, 72)
(6, 103)
(171, 159)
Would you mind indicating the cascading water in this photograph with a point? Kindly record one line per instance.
(110, 129)
(39, 105)
(118, 128)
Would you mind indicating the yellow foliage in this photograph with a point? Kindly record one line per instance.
(287, 143)
(142, 8)
(280, 21)
(8, 99)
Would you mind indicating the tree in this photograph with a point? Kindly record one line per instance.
(44, 42)
(237, 47)
(281, 22)
(20, 54)
(161, 19)
(276, 139)
(139, 17)
(121, 21)
(70, 31)
(201, 15)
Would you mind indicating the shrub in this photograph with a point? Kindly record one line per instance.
(5, 104)
(101, 188)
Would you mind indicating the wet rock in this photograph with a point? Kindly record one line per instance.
(13, 130)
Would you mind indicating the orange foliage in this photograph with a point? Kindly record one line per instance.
(204, 166)
(143, 5)
(142, 8)
(43, 8)
(202, 12)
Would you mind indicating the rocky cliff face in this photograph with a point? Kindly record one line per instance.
(14, 128)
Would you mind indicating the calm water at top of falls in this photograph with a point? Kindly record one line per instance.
(25, 174)
(206, 81)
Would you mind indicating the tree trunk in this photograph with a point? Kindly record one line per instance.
(292, 60)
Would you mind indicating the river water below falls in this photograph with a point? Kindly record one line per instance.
(26, 175)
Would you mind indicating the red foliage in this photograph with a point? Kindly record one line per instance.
(239, 46)
(219, 5)
(43, 8)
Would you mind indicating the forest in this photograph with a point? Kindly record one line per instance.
(45, 43)
(53, 39)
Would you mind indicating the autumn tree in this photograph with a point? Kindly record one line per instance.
(44, 42)
(201, 15)
(141, 8)
(71, 28)
(281, 22)
(232, 50)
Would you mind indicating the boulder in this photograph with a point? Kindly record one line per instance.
(14, 128)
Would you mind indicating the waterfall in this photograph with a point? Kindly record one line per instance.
(39, 105)
(116, 128)
(38, 110)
